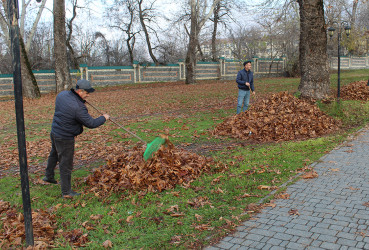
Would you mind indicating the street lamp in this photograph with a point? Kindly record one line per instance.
(331, 30)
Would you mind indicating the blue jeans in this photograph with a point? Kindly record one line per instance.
(243, 98)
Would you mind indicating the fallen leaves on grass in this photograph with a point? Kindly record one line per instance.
(265, 187)
(281, 117)
(76, 237)
(355, 91)
(107, 244)
(203, 227)
(168, 167)
(198, 202)
(13, 228)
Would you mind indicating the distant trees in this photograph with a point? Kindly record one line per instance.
(29, 84)
(133, 31)
(356, 13)
(132, 18)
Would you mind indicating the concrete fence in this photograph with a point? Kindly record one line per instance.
(141, 73)
(350, 62)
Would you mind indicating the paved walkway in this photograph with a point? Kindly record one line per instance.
(333, 208)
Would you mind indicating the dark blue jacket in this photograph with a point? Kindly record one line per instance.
(71, 115)
(244, 76)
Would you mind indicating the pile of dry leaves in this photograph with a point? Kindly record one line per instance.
(168, 167)
(12, 234)
(356, 91)
(281, 117)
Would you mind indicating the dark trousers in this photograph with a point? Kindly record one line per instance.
(62, 151)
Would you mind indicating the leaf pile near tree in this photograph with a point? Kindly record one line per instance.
(280, 117)
(12, 233)
(168, 167)
(356, 91)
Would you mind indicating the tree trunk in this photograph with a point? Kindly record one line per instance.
(29, 83)
(313, 50)
(72, 54)
(201, 55)
(191, 51)
(130, 50)
(214, 35)
(146, 33)
(62, 74)
(354, 10)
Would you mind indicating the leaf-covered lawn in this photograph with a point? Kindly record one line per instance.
(223, 177)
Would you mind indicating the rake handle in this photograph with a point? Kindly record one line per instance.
(116, 123)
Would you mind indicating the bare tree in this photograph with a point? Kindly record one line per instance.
(353, 13)
(222, 15)
(200, 13)
(118, 53)
(41, 50)
(122, 17)
(106, 43)
(215, 20)
(173, 47)
(144, 16)
(72, 53)
(29, 84)
(247, 43)
(62, 74)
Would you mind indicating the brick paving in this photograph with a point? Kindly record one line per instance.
(333, 208)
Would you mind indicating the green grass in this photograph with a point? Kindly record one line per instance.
(152, 226)
(351, 113)
(220, 200)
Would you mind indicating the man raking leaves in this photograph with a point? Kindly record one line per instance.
(70, 116)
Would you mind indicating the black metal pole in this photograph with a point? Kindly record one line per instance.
(339, 64)
(14, 35)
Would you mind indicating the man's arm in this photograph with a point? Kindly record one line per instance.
(86, 119)
(239, 78)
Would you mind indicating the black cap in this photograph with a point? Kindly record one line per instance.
(85, 85)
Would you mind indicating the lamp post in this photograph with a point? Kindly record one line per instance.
(13, 15)
(331, 30)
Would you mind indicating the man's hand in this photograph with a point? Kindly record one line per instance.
(247, 84)
(253, 92)
(106, 116)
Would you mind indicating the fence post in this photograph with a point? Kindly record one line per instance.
(83, 70)
(137, 73)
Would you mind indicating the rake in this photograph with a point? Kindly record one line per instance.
(151, 147)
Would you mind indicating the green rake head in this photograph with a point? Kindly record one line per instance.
(152, 147)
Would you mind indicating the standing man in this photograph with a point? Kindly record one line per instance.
(245, 81)
(70, 116)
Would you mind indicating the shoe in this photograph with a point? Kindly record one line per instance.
(50, 180)
(71, 194)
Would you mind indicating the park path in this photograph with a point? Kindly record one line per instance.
(333, 209)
